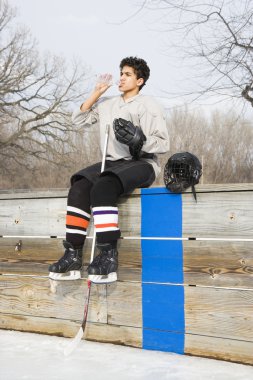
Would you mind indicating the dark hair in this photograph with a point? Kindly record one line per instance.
(140, 67)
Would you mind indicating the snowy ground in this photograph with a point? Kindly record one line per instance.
(40, 357)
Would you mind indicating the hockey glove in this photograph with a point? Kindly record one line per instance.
(126, 133)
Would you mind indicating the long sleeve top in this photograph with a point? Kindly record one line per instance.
(143, 111)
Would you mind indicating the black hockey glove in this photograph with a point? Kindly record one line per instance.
(127, 133)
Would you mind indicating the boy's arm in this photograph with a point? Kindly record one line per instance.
(102, 85)
(87, 114)
(154, 126)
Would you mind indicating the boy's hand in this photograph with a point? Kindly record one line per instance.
(104, 81)
(127, 133)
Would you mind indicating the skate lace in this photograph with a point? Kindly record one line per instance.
(102, 258)
(65, 257)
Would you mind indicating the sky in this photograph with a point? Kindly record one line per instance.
(101, 33)
(92, 30)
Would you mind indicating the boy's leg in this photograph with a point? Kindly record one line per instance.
(104, 197)
(78, 212)
(77, 221)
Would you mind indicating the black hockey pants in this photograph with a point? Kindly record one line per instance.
(100, 198)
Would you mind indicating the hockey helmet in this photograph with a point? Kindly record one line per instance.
(182, 171)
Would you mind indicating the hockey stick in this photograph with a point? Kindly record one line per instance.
(75, 341)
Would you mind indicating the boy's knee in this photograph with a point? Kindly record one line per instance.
(106, 191)
(80, 189)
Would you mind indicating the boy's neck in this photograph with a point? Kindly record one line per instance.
(127, 95)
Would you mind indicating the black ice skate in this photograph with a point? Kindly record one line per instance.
(103, 268)
(69, 265)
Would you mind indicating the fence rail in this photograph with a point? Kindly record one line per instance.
(185, 271)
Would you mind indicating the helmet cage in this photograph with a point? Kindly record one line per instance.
(182, 171)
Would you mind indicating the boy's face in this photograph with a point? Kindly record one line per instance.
(128, 80)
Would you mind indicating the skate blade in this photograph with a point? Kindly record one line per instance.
(103, 279)
(72, 275)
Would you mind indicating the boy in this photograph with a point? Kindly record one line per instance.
(139, 132)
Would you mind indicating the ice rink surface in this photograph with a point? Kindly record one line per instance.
(40, 357)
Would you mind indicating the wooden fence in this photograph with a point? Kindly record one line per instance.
(185, 281)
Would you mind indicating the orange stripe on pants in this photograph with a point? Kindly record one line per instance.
(76, 221)
(106, 225)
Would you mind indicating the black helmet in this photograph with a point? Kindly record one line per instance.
(182, 171)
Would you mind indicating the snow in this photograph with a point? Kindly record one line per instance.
(40, 357)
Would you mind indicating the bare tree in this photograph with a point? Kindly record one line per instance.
(36, 97)
(43, 174)
(219, 32)
(223, 143)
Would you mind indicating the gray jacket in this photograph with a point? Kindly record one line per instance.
(143, 111)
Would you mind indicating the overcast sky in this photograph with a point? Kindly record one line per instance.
(95, 31)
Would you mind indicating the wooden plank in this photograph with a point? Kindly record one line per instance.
(224, 187)
(42, 216)
(30, 250)
(227, 264)
(124, 304)
(217, 312)
(49, 193)
(41, 297)
(33, 258)
(36, 255)
(130, 254)
(232, 217)
(49, 326)
(125, 274)
(33, 194)
(100, 332)
(130, 215)
(227, 214)
(219, 348)
(21, 268)
(217, 263)
(49, 250)
(124, 335)
(46, 217)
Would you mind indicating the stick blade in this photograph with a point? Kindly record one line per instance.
(74, 342)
